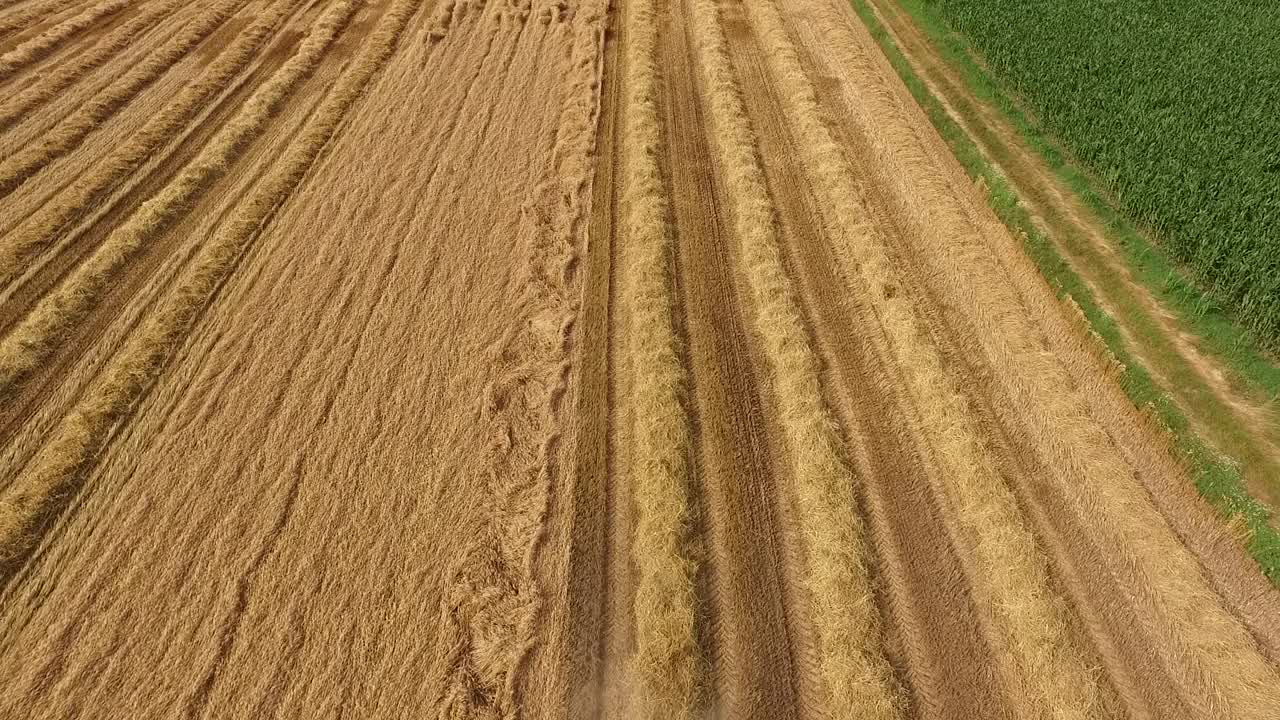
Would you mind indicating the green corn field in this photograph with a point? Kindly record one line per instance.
(1175, 106)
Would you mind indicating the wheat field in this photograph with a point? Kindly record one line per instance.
(557, 358)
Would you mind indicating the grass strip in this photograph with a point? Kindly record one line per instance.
(1241, 349)
(1216, 479)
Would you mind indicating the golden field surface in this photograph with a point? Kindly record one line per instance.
(557, 358)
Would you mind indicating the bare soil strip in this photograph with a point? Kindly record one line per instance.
(752, 657)
(558, 358)
(599, 513)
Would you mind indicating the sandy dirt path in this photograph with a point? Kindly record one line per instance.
(632, 359)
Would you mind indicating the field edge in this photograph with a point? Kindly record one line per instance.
(1217, 480)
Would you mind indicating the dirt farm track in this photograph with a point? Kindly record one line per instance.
(557, 358)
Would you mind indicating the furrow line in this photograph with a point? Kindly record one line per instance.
(93, 114)
(29, 128)
(22, 103)
(52, 543)
(1112, 623)
(1044, 669)
(93, 342)
(1130, 679)
(52, 477)
(37, 335)
(936, 639)
(88, 228)
(128, 302)
(856, 676)
(1207, 648)
(1105, 622)
(748, 633)
(40, 26)
(598, 513)
(666, 666)
(577, 134)
(1231, 573)
(38, 47)
(685, 224)
(598, 679)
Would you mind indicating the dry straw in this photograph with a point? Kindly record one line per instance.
(37, 335)
(46, 226)
(71, 130)
(47, 41)
(1202, 644)
(855, 672)
(666, 661)
(21, 104)
(52, 475)
(21, 19)
(1007, 568)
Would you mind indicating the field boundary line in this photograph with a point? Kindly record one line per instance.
(1217, 481)
(1228, 391)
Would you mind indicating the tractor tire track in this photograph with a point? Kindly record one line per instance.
(747, 623)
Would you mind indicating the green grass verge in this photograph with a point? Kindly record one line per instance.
(1166, 359)
(1237, 347)
(1167, 102)
(1218, 481)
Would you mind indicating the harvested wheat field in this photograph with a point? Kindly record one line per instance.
(557, 358)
